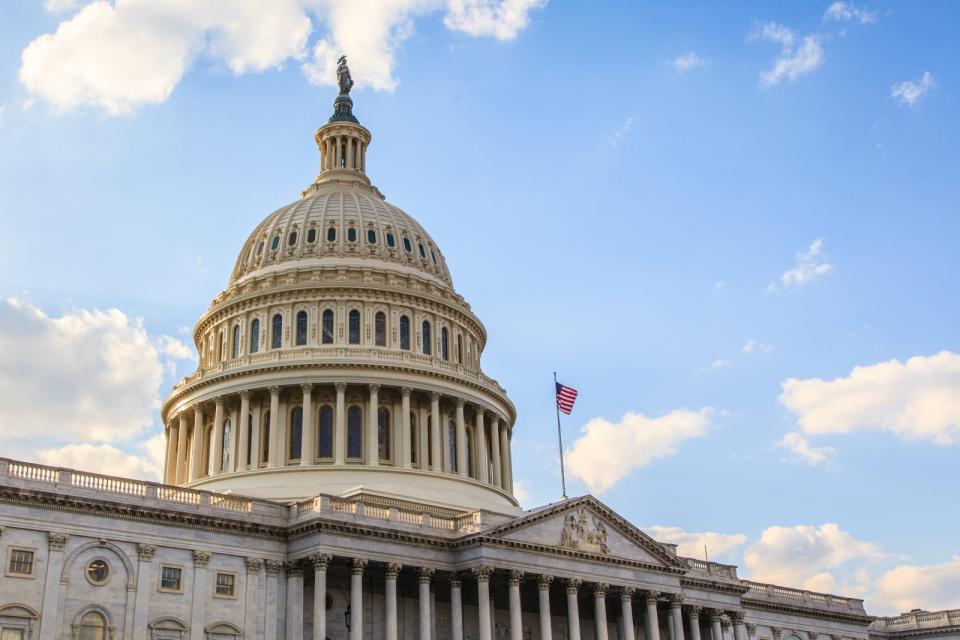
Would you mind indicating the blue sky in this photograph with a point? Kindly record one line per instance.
(630, 194)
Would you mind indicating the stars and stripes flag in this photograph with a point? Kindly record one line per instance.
(566, 396)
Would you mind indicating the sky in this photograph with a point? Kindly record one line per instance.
(731, 226)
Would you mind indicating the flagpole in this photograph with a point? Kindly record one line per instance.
(563, 479)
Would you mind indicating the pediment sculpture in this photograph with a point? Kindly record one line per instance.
(584, 532)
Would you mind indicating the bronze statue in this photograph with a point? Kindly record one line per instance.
(343, 76)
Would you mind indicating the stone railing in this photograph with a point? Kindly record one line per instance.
(358, 509)
(85, 483)
(917, 620)
(800, 597)
(715, 569)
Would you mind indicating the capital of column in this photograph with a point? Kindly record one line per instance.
(405, 391)
(543, 582)
(651, 596)
(716, 614)
(737, 617)
(434, 395)
(482, 572)
(145, 551)
(274, 390)
(676, 598)
(600, 590)
(218, 401)
(57, 541)
(455, 581)
(254, 565)
(392, 570)
(340, 387)
(201, 558)
(321, 561)
(626, 593)
(425, 575)
(836, 637)
(306, 387)
(294, 568)
(777, 632)
(245, 394)
(460, 403)
(695, 610)
(573, 585)
(373, 387)
(516, 577)
(273, 567)
(358, 565)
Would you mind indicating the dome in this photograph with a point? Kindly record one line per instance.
(342, 223)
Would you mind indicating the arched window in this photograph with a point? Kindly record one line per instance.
(414, 440)
(371, 236)
(221, 353)
(225, 450)
(249, 439)
(93, 626)
(391, 241)
(405, 333)
(426, 337)
(292, 239)
(296, 433)
(444, 341)
(383, 434)
(325, 441)
(355, 432)
(236, 341)
(332, 234)
(452, 439)
(459, 349)
(277, 336)
(265, 438)
(301, 327)
(328, 326)
(255, 335)
(354, 327)
(311, 236)
(351, 235)
(380, 329)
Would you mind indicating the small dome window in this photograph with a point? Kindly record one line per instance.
(391, 241)
(351, 235)
(274, 243)
(423, 252)
(407, 246)
(434, 256)
(312, 236)
(332, 234)
(371, 236)
(292, 239)
(260, 248)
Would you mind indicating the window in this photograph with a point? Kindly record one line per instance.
(226, 585)
(9, 633)
(355, 432)
(391, 241)
(301, 327)
(459, 349)
(296, 432)
(171, 579)
(414, 437)
(277, 336)
(249, 438)
(444, 339)
(452, 439)
(332, 234)
(225, 451)
(265, 440)
(380, 329)
(236, 341)
(383, 434)
(312, 236)
(354, 327)
(434, 256)
(423, 253)
(406, 245)
(274, 243)
(98, 571)
(371, 236)
(405, 333)
(220, 351)
(328, 326)
(351, 235)
(255, 335)
(21, 562)
(325, 442)
(93, 626)
(292, 239)
(260, 248)
(426, 337)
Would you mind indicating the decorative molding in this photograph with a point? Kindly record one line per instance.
(516, 577)
(777, 632)
(626, 594)
(57, 541)
(717, 614)
(737, 617)
(543, 582)
(651, 596)
(146, 551)
(392, 570)
(482, 573)
(254, 565)
(201, 558)
(600, 590)
(676, 599)
(273, 567)
(357, 566)
(425, 575)
(321, 561)
(294, 568)
(573, 585)
(695, 610)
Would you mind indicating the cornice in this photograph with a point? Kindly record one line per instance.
(709, 585)
(810, 612)
(912, 633)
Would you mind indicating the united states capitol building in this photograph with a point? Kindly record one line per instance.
(339, 466)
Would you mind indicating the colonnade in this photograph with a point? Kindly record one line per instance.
(388, 426)
(342, 152)
(483, 576)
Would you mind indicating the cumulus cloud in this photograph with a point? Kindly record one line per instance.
(916, 399)
(801, 447)
(608, 451)
(909, 92)
(807, 557)
(86, 375)
(798, 56)
(689, 61)
(691, 545)
(932, 587)
(846, 11)
(810, 265)
(109, 460)
(119, 55)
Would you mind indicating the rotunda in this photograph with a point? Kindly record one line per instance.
(340, 359)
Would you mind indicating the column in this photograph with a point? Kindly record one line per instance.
(405, 427)
(694, 622)
(543, 592)
(216, 456)
(600, 611)
(373, 448)
(273, 459)
(271, 600)
(320, 563)
(483, 600)
(340, 437)
(50, 615)
(294, 601)
(676, 601)
(181, 474)
(650, 622)
(671, 628)
(170, 462)
(506, 481)
(425, 620)
(436, 464)
(573, 609)
(390, 594)
(308, 448)
(200, 560)
(739, 627)
(145, 589)
(456, 608)
(626, 612)
(196, 444)
(242, 435)
(356, 599)
(463, 467)
(495, 450)
(483, 472)
(716, 631)
(253, 589)
(516, 613)
(256, 450)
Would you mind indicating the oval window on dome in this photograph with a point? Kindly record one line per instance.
(274, 243)
(312, 236)
(292, 239)
(371, 236)
(406, 245)
(332, 234)
(351, 235)
(391, 241)
(423, 252)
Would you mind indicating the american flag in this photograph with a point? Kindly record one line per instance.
(566, 396)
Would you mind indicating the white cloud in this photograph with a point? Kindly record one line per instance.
(916, 399)
(798, 56)
(689, 61)
(109, 460)
(690, 544)
(753, 345)
(846, 11)
(620, 132)
(909, 92)
(121, 55)
(608, 451)
(86, 375)
(932, 587)
(808, 557)
(801, 446)
(810, 265)
(61, 6)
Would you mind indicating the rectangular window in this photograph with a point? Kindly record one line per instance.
(8, 633)
(171, 579)
(21, 562)
(226, 584)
